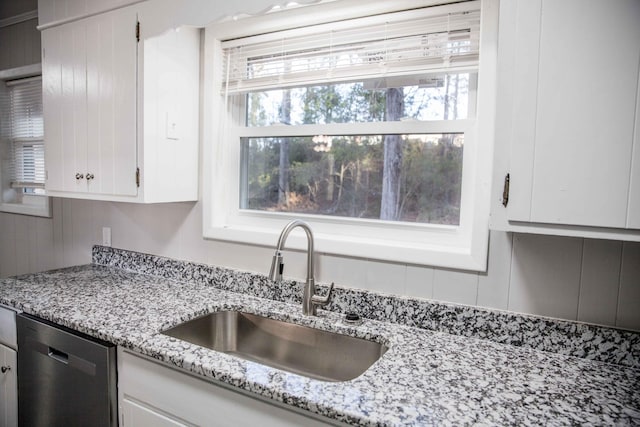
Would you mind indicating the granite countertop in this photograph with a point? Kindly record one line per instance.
(427, 377)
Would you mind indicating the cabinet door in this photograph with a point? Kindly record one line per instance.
(89, 96)
(111, 103)
(65, 106)
(8, 388)
(576, 85)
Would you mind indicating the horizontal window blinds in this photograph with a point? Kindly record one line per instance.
(422, 41)
(27, 133)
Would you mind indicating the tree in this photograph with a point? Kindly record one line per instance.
(392, 163)
(283, 176)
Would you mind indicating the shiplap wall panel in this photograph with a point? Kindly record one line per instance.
(545, 275)
(44, 244)
(419, 282)
(600, 278)
(55, 223)
(455, 286)
(553, 276)
(192, 245)
(7, 245)
(341, 270)
(628, 312)
(493, 286)
(23, 256)
(385, 276)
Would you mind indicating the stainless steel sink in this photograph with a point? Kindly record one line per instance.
(299, 349)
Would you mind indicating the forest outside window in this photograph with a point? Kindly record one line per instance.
(22, 148)
(367, 128)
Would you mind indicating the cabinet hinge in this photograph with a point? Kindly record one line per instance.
(137, 177)
(505, 191)
(138, 31)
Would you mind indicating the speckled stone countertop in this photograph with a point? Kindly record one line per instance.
(427, 377)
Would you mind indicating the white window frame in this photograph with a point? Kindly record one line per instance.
(34, 205)
(460, 247)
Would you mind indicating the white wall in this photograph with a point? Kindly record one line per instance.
(578, 279)
(571, 278)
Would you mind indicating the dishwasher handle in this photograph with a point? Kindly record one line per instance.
(58, 355)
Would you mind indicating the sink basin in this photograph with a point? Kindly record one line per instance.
(314, 353)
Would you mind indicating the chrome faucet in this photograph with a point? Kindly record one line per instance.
(310, 300)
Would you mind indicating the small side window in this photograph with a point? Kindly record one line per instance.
(22, 148)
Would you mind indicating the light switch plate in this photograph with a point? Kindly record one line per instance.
(172, 126)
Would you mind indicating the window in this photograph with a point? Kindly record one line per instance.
(368, 128)
(23, 171)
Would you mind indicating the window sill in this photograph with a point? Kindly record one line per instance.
(34, 206)
(433, 247)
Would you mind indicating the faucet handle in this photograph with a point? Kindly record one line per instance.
(318, 300)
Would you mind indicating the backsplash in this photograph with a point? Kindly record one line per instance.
(552, 335)
(588, 280)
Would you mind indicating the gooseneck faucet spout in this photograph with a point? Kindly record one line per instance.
(310, 300)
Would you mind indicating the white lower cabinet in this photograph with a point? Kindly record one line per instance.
(152, 394)
(8, 387)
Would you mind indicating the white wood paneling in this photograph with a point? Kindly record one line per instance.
(419, 282)
(493, 286)
(628, 313)
(192, 245)
(133, 228)
(343, 271)
(545, 275)
(555, 276)
(57, 219)
(599, 281)
(7, 245)
(79, 231)
(385, 277)
(44, 250)
(455, 286)
(245, 257)
(24, 255)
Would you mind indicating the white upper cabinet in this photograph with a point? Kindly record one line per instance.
(567, 129)
(90, 105)
(121, 114)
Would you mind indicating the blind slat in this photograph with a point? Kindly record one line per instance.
(408, 46)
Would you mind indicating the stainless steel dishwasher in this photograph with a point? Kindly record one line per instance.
(64, 378)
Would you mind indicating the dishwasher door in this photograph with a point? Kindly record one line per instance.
(64, 379)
